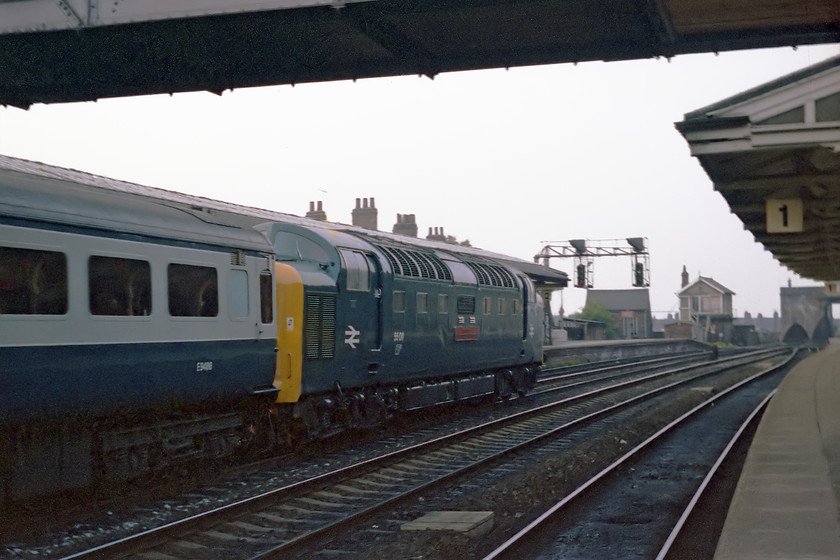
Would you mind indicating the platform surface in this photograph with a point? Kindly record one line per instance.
(786, 502)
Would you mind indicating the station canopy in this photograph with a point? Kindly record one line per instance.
(80, 50)
(772, 152)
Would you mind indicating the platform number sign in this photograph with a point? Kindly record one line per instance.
(784, 215)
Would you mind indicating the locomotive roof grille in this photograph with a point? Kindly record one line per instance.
(491, 274)
(417, 264)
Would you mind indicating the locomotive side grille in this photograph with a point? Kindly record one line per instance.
(505, 275)
(492, 275)
(441, 269)
(407, 262)
(392, 260)
(466, 305)
(319, 327)
(237, 258)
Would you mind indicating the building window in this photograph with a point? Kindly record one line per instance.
(796, 115)
(32, 282)
(828, 108)
(119, 287)
(712, 304)
(193, 291)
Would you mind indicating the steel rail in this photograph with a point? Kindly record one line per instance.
(142, 539)
(505, 547)
(678, 526)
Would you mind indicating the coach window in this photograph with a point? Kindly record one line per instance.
(443, 304)
(32, 282)
(500, 306)
(238, 293)
(517, 307)
(358, 271)
(119, 287)
(193, 291)
(399, 302)
(266, 302)
(422, 302)
(488, 306)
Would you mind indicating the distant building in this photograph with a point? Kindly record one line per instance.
(567, 328)
(749, 330)
(630, 310)
(707, 305)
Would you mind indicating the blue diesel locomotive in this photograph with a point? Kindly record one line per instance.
(140, 328)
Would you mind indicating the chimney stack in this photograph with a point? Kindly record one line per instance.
(684, 277)
(365, 214)
(438, 234)
(406, 225)
(318, 214)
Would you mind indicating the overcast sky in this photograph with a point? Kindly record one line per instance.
(508, 159)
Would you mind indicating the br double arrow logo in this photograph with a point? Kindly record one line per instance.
(351, 336)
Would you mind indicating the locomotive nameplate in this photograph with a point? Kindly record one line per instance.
(463, 334)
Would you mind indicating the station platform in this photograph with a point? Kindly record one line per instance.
(588, 351)
(786, 502)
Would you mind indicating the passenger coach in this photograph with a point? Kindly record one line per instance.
(114, 304)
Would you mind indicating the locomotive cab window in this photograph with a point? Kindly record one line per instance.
(32, 282)
(290, 246)
(193, 291)
(358, 271)
(119, 287)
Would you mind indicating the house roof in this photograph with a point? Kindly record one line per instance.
(621, 300)
(717, 286)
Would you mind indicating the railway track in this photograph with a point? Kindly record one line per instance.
(641, 504)
(302, 516)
